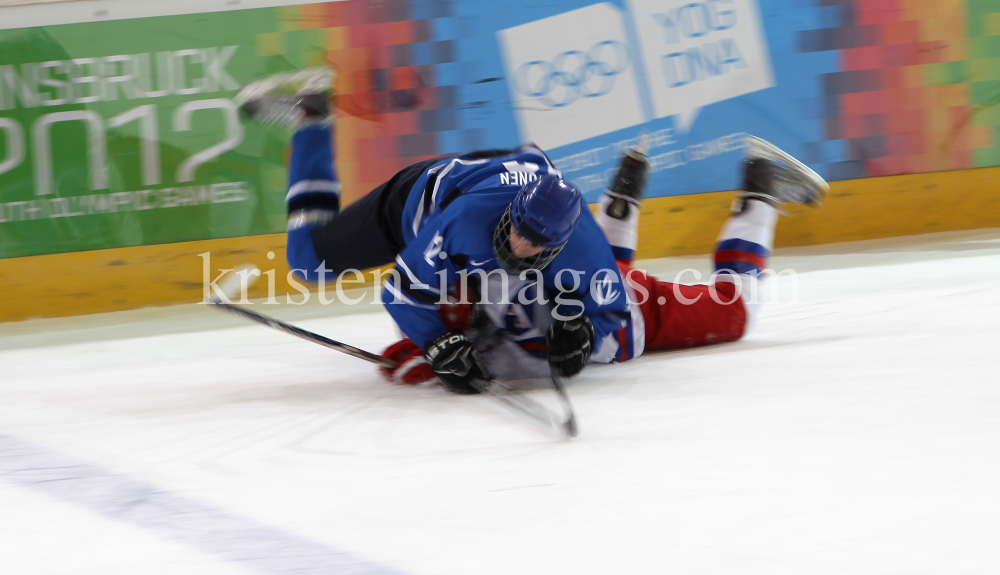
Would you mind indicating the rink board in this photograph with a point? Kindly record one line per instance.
(127, 278)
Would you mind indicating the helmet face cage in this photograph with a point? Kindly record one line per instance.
(505, 256)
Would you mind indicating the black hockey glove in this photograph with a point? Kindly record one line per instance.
(570, 345)
(455, 361)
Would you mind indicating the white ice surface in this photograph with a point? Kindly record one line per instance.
(856, 431)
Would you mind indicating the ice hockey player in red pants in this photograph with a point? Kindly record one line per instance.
(673, 315)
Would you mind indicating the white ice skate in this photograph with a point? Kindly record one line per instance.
(288, 98)
(775, 177)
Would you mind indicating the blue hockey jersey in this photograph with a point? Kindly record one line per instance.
(448, 225)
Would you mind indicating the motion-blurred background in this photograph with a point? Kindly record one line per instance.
(119, 146)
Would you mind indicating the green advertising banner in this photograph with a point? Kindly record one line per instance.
(123, 133)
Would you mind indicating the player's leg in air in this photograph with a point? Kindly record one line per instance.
(679, 315)
(322, 238)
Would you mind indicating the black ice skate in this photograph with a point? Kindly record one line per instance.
(288, 98)
(774, 177)
(626, 189)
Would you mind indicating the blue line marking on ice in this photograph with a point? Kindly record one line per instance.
(238, 539)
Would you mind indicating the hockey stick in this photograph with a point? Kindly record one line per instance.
(305, 334)
(530, 408)
(513, 400)
(569, 426)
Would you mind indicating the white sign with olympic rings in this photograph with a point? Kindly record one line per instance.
(572, 76)
(699, 52)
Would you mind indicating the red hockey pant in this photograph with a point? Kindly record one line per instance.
(679, 315)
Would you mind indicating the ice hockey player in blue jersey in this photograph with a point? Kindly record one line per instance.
(502, 211)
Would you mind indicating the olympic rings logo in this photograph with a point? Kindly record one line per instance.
(574, 74)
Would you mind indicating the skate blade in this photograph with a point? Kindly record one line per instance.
(639, 151)
(305, 81)
(758, 148)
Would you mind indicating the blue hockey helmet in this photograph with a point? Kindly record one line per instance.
(545, 213)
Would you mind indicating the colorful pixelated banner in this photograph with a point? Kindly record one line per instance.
(124, 133)
(855, 88)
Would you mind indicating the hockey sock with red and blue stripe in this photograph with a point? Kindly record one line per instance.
(622, 234)
(746, 240)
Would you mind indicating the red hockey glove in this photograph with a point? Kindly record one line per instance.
(411, 367)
